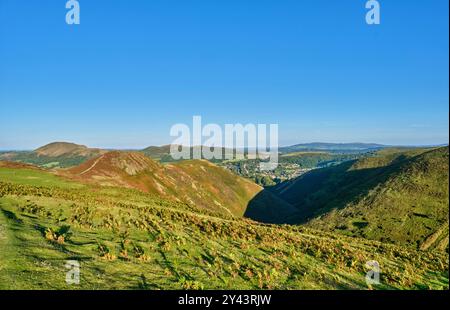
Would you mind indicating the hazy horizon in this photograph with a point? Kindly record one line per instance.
(280, 146)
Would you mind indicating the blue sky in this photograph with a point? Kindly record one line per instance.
(134, 68)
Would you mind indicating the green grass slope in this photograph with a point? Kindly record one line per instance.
(396, 196)
(128, 239)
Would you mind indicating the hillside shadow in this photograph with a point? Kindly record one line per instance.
(267, 207)
(319, 191)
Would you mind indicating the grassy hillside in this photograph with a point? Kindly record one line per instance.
(196, 182)
(128, 239)
(396, 196)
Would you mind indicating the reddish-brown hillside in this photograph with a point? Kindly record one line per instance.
(196, 182)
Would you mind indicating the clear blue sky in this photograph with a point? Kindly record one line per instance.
(134, 68)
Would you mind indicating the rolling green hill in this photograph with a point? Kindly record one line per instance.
(398, 196)
(125, 238)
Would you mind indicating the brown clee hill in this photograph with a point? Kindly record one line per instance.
(197, 182)
(56, 149)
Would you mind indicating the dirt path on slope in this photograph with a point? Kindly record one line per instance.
(93, 165)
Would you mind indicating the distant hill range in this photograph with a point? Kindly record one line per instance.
(331, 147)
(162, 153)
(56, 154)
(398, 196)
(65, 154)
